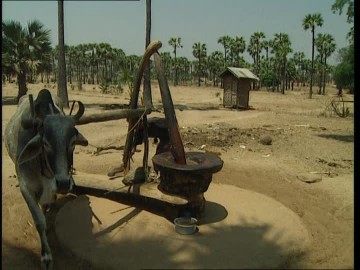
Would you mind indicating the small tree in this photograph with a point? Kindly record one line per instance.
(23, 50)
(344, 72)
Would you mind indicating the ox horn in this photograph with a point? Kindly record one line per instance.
(80, 112)
(32, 108)
(31, 122)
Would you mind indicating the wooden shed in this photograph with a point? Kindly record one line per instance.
(236, 84)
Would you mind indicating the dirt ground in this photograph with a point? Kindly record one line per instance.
(307, 139)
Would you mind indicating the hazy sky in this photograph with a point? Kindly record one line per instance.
(122, 23)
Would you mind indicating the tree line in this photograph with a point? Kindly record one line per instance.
(28, 57)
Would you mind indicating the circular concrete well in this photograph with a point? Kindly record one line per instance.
(239, 229)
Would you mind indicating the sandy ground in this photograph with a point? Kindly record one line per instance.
(306, 137)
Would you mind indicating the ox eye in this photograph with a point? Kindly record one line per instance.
(47, 146)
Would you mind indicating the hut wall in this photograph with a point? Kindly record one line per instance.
(230, 91)
(243, 93)
(236, 91)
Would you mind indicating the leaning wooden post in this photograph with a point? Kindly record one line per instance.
(129, 145)
(177, 147)
(147, 92)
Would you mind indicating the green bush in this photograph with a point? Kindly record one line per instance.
(344, 72)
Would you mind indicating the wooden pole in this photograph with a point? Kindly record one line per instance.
(108, 116)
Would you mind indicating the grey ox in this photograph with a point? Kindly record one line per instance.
(40, 140)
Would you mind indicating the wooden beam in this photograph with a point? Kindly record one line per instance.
(108, 116)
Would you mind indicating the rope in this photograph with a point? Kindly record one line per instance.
(136, 124)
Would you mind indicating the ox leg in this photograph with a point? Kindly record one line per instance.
(40, 222)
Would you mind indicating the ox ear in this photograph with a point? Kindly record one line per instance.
(31, 150)
(81, 140)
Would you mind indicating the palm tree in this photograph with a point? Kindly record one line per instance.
(118, 61)
(225, 41)
(310, 22)
(199, 52)
(54, 57)
(319, 41)
(306, 68)
(329, 47)
(281, 47)
(299, 58)
(21, 48)
(266, 45)
(104, 53)
(61, 83)
(215, 60)
(175, 43)
(184, 69)
(254, 49)
(93, 61)
(166, 59)
(237, 46)
(325, 46)
(43, 66)
(291, 74)
(257, 39)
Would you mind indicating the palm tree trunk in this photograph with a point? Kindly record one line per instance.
(70, 70)
(84, 75)
(92, 67)
(54, 68)
(283, 78)
(62, 90)
(312, 61)
(176, 74)
(199, 79)
(21, 77)
(97, 72)
(147, 74)
(106, 69)
(324, 74)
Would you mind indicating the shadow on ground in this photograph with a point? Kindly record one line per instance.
(14, 257)
(9, 100)
(251, 246)
(343, 138)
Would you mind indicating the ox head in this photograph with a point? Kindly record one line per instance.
(54, 141)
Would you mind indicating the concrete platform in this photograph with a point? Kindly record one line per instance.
(239, 229)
